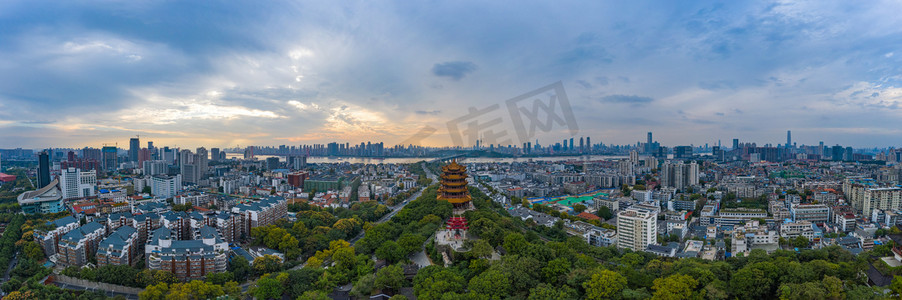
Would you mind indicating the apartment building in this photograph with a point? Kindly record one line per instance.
(865, 195)
(262, 213)
(636, 228)
(49, 239)
(76, 246)
(815, 213)
(192, 259)
(119, 248)
(803, 228)
(738, 216)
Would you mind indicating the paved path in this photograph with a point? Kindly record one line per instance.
(110, 290)
(12, 264)
(394, 210)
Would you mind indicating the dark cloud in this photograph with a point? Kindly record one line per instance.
(628, 99)
(453, 69)
(428, 112)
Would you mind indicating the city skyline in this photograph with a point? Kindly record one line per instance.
(638, 145)
(228, 74)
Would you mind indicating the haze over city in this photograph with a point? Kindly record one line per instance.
(76, 74)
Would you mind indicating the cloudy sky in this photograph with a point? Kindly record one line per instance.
(78, 73)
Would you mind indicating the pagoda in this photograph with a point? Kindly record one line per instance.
(454, 186)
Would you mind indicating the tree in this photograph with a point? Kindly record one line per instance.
(492, 283)
(515, 243)
(165, 277)
(896, 285)
(267, 264)
(604, 212)
(267, 288)
(220, 278)
(390, 252)
(750, 283)
(545, 291)
(194, 289)
(300, 281)
(674, 287)
(364, 286)
(390, 277)
(434, 282)
(481, 249)
(33, 251)
(833, 287)
(232, 289)
(344, 258)
(314, 295)
(240, 268)
(146, 190)
(800, 242)
(556, 269)
(631, 259)
(604, 284)
(578, 208)
(411, 243)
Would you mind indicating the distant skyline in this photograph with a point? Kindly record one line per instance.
(76, 74)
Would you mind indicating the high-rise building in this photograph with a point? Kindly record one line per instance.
(43, 169)
(187, 167)
(299, 162)
(249, 152)
(636, 228)
(155, 167)
(143, 155)
(788, 139)
(837, 153)
(582, 146)
(571, 144)
(735, 144)
(214, 154)
(91, 154)
(134, 145)
(165, 186)
(153, 151)
(110, 158)
(866, 195)
(589, 144)
(201, 161)
(76, 183)
(679, 175)
(682, 152)
(272, 163)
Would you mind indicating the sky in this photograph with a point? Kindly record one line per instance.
(235, 73)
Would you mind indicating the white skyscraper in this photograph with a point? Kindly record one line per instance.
(165, 186)
(75, 183)
(636, 228)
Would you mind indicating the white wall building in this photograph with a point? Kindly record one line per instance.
(636, 228)
(165, 186)
(75, 183)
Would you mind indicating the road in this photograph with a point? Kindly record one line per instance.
(394, 210)
(83, 288)
(12, 264)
